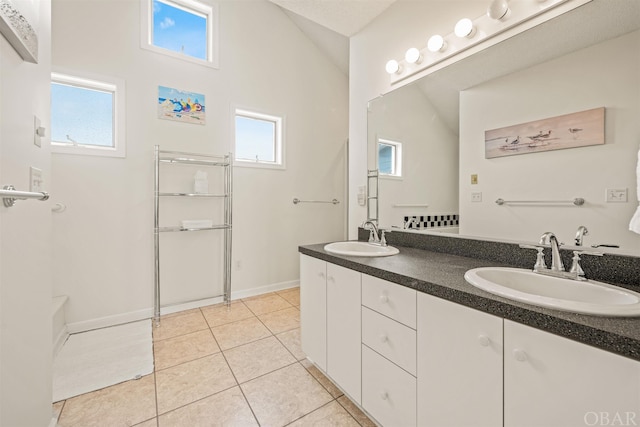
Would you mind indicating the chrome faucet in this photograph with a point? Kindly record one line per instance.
(582, 231)
(557, 267)
(375, 235)
(373, 231)
(412, 220)
(556, 261)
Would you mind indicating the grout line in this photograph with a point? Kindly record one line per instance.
(309, 413)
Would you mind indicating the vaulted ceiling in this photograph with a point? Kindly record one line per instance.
(330, 23)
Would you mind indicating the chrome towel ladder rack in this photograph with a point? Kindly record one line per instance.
(179, 157)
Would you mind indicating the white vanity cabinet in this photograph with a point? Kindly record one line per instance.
(313, 310)
(553, 381)
(330, 321)
(412, 359)
(459, 365)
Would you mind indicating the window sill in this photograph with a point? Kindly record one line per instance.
(88, 151)
(243, 164)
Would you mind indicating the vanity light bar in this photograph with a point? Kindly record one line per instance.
(480, 33)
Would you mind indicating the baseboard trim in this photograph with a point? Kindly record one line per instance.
(147, 313)
(60, 340)
(264, 289)
(103, 322)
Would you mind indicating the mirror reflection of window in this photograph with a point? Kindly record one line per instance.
(389, 157)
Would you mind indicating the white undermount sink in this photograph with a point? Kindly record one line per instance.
(577, 296)
(356, 248)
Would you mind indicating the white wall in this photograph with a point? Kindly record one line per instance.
(605, 75)
(104, 241)
(25, 230)
(404, 24)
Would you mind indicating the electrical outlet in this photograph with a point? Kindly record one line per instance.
(616, 195)
(476, 197)
(36, 183)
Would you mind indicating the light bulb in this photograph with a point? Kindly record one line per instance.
(436, 43)
(413, 56)
(465, 28)
(392, 67)
(498, 9)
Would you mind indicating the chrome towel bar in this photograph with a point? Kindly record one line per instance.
(10, 195)
(578, 201)
(296, 201)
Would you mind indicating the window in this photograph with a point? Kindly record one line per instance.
(259, 140)
(389, 157)
(185, 29)
(87, 116)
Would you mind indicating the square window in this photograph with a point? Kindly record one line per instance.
(87, 116)
(389, 158)
(258, 139)
(185, 29)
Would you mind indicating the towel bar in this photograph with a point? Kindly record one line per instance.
(296, 201)
(578, 201)
(10, 195)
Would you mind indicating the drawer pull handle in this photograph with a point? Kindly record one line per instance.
(484, 340)
(520, 355)
(384, 299)
(384, 395)
(384, 338)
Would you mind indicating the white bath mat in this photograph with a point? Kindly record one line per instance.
(92, 360)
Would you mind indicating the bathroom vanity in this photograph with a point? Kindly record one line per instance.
(407, 339)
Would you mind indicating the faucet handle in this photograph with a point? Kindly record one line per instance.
(540, 263)
(576, 268)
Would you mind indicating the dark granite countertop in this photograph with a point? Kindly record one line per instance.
(442, 275)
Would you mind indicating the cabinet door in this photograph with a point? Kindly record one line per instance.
(343, 329)
(313, 309)
(553, 381)
(459, 365)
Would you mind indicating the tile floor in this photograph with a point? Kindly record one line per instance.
(241, 366)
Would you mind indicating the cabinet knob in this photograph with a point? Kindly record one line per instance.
(384, 338)
(519, 355)
(330, 279)
(384, 395)
(484, 340)
(384, 299)
(321, 275)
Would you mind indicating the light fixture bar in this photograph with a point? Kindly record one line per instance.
(522, 16)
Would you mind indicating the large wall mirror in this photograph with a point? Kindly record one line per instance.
(427, 137)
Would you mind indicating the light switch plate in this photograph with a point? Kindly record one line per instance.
(36, 183)
(616, 195)
(37, 133)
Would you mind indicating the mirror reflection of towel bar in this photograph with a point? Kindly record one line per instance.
(296, 201)
(578, 201)
(10, 195)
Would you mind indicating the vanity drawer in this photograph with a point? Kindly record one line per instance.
(388, 392)
(391, 339)
(390, 299)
